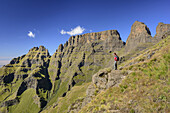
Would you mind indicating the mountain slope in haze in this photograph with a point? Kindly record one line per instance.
(62, 81)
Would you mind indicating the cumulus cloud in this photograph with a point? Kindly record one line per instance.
(31, 34)
(76, 31)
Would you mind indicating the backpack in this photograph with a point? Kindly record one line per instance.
(117, 58)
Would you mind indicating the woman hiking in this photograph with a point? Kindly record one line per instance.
(116, 59)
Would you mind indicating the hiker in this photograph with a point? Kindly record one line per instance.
(116, 58)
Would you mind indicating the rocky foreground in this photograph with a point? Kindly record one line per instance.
(77, 72)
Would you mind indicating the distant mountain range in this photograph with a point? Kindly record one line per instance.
(81, 69)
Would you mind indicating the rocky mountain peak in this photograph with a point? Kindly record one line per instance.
(111, 40)
(34, 49)
(42, 48)
(91, 37)
(140, 33)
(60, 48)
(161, 29)
(39, 50)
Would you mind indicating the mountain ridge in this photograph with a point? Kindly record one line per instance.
(72, 65)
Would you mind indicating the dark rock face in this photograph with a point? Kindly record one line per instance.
(140, 33)
(161, 30)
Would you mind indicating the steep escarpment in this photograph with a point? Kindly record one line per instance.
(23, 73)
(74, 62)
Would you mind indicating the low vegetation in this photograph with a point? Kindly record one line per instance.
(145, 90)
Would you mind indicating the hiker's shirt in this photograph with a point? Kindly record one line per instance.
(115, 58)
(115, 62)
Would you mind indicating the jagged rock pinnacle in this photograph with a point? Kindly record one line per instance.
(140, 33)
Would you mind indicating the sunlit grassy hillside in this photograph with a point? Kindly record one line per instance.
(145, 90)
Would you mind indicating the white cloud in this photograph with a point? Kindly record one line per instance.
(76, 31)
(30, 34)
(90, 30)
(63, 32)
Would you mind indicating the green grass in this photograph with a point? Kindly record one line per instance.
(146, 90)
(27, 103)
(77, 92)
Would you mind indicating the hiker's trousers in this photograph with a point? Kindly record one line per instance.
(115, 65)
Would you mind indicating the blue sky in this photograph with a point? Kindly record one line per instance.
(28, 23)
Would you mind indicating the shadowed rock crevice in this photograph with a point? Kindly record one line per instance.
(8, 79)
(44, 84)
(59, 70)
(43, 103)
(22, 88)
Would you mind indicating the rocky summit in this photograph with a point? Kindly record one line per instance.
(161, 30)
(81, 70)
(140, 33)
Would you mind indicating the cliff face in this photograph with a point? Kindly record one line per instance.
(161, 30)
(140, 33)
(111, 39)
(81, 57)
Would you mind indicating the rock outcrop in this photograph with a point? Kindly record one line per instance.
(101, 81)
(161, 30)
(140, 33)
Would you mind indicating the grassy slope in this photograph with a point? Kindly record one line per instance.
(27, 103)
(64, 102)
(145, 90)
